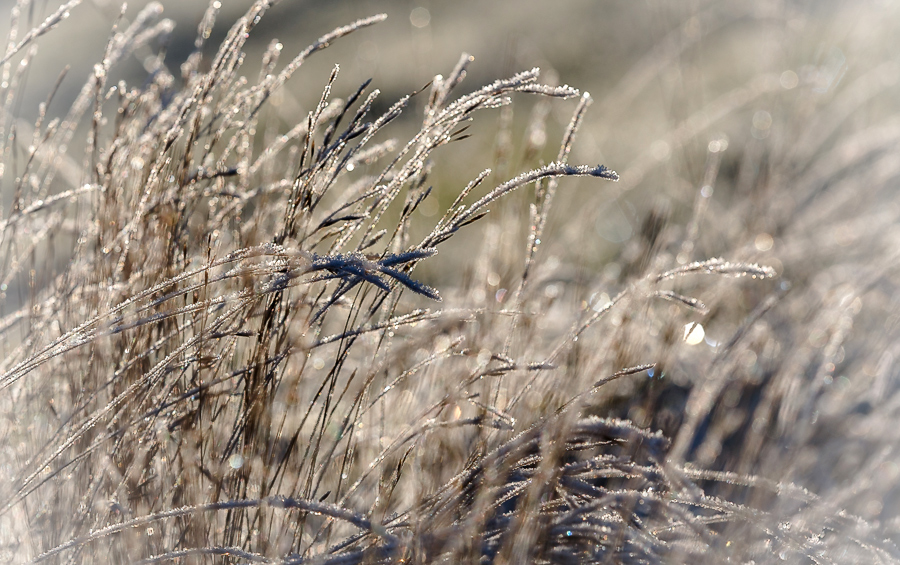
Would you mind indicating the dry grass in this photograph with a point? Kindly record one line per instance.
(232, 338)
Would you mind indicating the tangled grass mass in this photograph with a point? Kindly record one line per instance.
(230, 336)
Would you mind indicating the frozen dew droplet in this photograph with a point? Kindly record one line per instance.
(789, 80)
(660, 150)
(762, 120)
(763, 242)
(420, 17)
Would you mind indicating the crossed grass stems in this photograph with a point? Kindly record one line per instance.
(245, 316)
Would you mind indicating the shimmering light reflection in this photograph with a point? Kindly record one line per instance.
(693, 333)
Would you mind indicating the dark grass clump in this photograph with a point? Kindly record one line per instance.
(231, 338)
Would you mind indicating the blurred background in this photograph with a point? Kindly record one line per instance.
(668, 78)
